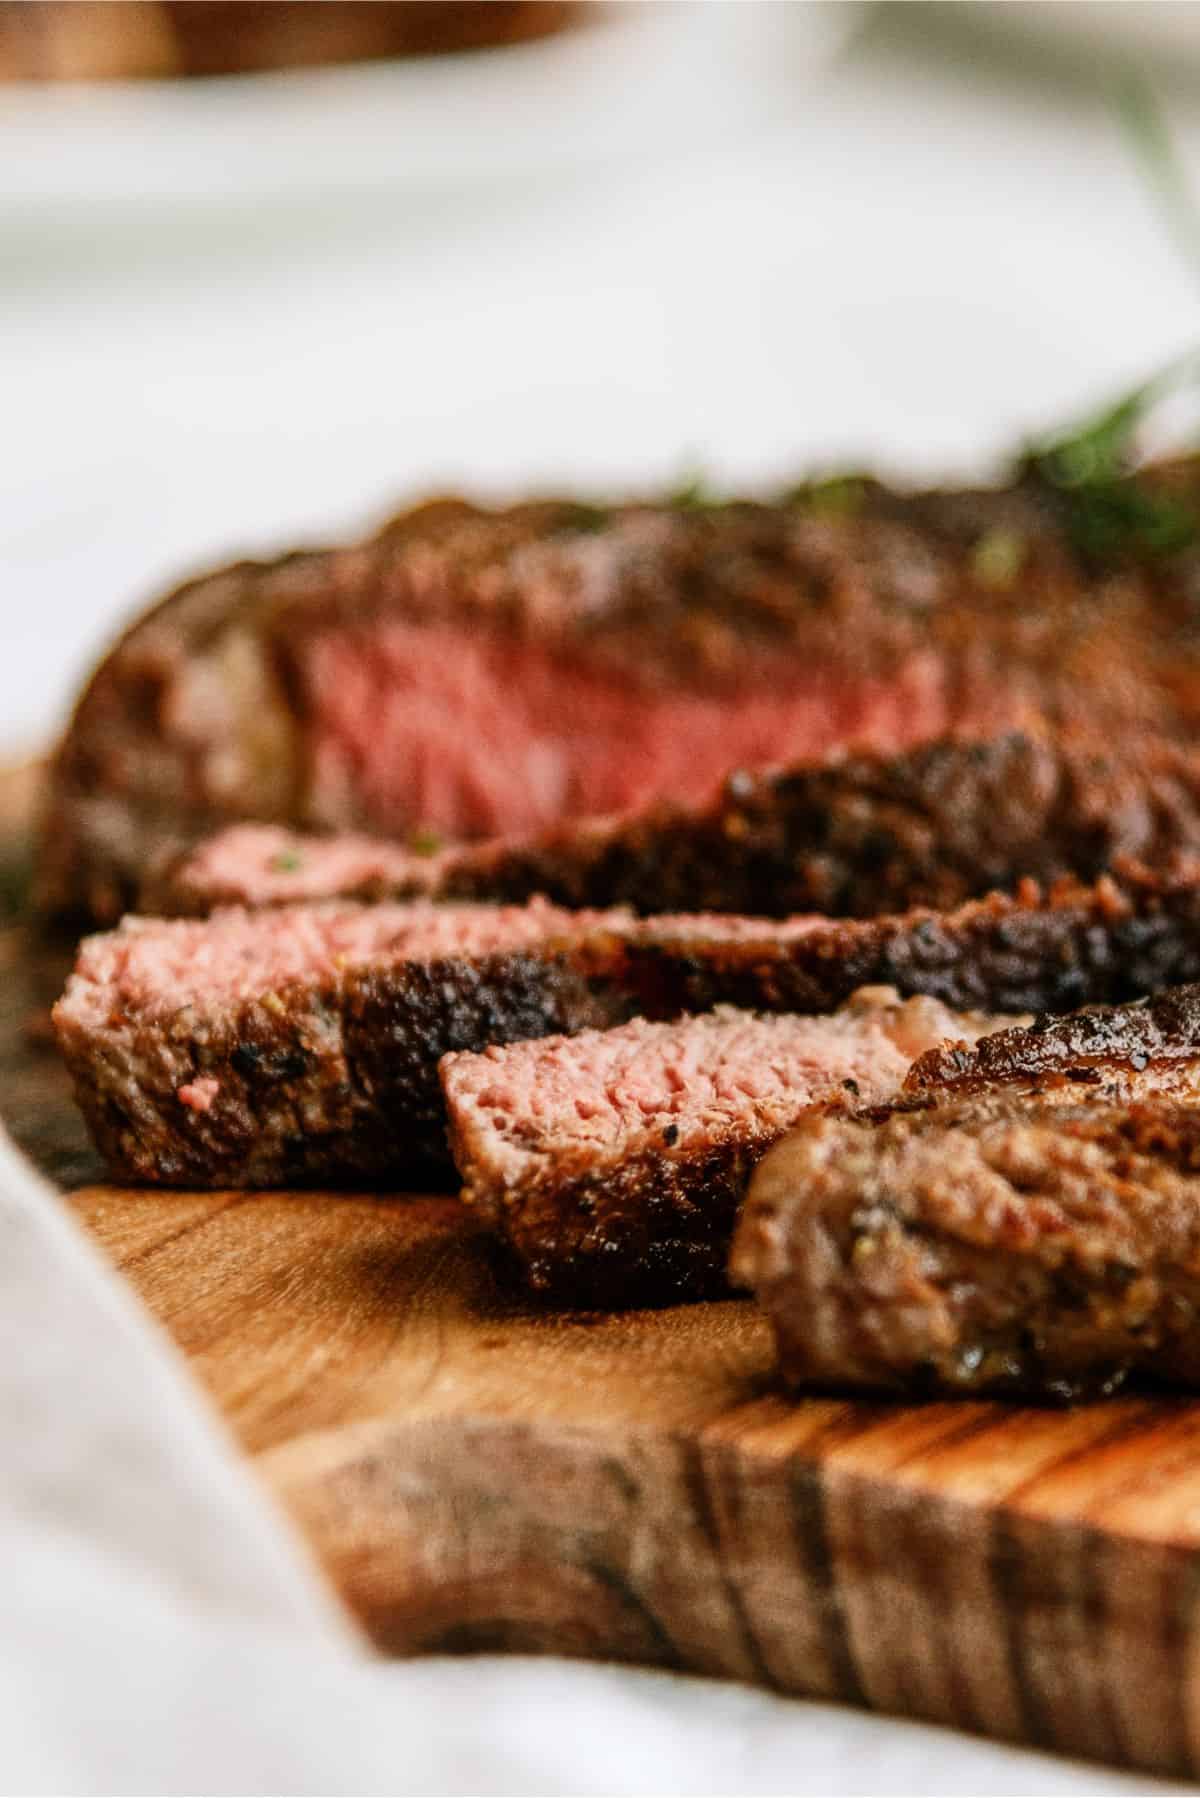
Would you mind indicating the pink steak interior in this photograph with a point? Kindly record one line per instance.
(474, 734)
(266, 864)
(670, 1086)
(154, 968)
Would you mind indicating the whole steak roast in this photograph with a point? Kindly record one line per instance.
(474, 673)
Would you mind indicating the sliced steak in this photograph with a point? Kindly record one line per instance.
(260, 865)
(1001, 1244)
(325, 1057)
(612, 1162)
(290, 1047)
(1113, 1052)
(964, 1237)
(1075, 945)
(853, 836)
(484, 673)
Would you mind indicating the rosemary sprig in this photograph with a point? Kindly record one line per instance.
(1150, 139)
(1109, 511)
(1094, 467)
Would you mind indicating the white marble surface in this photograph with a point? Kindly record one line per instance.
(915, 255)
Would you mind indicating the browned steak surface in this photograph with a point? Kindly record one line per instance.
(478, 673)
(1000, 1244)
(612, 1163)
(89, 40)
(1122, 1051)
(1036, 951)
(293, 1047)
(321, 1026)
(852, 836)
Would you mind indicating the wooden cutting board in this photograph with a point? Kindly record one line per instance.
(478, 1474)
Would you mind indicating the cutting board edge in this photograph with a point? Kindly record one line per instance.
(780, 1571)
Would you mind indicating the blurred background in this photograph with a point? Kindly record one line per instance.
(246, 310)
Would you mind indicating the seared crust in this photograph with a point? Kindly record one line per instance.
(338, 1081)
(397, 1031)
(865, 835)
(653, 1230)
(997, 1245)
(855, 836)
(323, 1084)
(198, 717)
(1118, 1052)
(1075, 945)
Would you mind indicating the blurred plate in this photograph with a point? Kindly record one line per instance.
(634, 81)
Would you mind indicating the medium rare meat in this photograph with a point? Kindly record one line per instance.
(342, 1011)
(612, 1162)
(481, 673)
(1000, 1244)
(855, 835)
(279, 1048)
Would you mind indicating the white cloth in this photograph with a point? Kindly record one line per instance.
(919, 256)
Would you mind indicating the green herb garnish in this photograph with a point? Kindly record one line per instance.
(1111, 512)
(998, 557)
(837, 496)
(424, 841)
(288, 861)
(693, 495)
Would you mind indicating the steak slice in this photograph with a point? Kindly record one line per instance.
(612, 1163)
(1120, 1052)
(1074, 945)
(1001, 1244)
(291, 1047)
(963, 1238)
(601, 659)
(852, 836)
(324, 1051)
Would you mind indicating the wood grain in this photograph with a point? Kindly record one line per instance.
(475, 1473)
